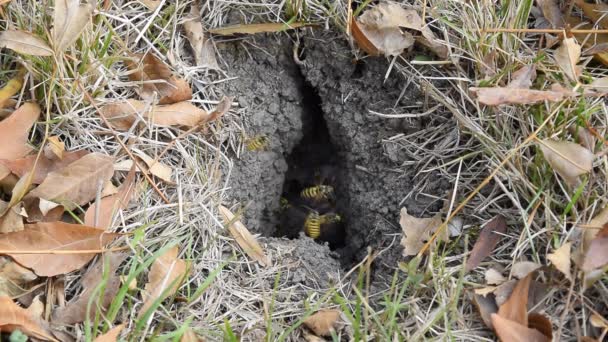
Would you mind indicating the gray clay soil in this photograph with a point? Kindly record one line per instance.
(369, 189)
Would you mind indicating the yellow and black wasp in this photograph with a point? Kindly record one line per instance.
(312, 224)
(318, 193)
(257, 143)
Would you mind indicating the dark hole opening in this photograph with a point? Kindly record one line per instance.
(313, 164)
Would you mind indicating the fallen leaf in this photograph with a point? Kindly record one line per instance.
(484, 291)
(78, 183)
(15, 129)
(75, 310)
(584, 137)
(222, 107)
(122, 115)
(383, 32)
(522, 78)
(25, 43)
(54, 148)
(552, 13)
(190, 336)
(257, 28)
(561, 259)
(111, 335)
(323, 322)
(44, 166)
(46, 206)
(541, 323)
(243, 237)
(69, 20)
(158, 169)
(416, 231)
(20, 190)
(596, 255)
(166, 276)
(14, 278)
(511, 331)
(12, 221)
(13, 317)
(110, 205)
(598, 321)
(568, 159)
(575, 21)
(54, 236)
(493, 277)
(495, 96)
(489, 237)
(362, 41)
(516, 307)
(157, 80)
(522, 268)
(12, 87)
(204, 53)
(486, 306)
(595, 11)
(567, 56)
(152, 5)
(109, 189)
(503, 291)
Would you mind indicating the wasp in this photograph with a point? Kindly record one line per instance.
(256, 143)
(318, 192)
(330, 218)
(312, 224)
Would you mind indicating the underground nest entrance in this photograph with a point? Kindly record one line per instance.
(311, 195)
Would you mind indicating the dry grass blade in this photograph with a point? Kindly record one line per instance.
(111, 204)
(244, 238)
(122, 115)
(69, 19)
(76, 310)
(568, 159)
(561, 259)
(77, 183)
(15, 129)
(257, 28)
(43, 167)
(323, 322)
(13, 317)
(25, 43)
(54, 236)
(111, 335)
(166, 276)
(488, 239)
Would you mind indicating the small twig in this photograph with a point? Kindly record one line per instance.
(122, 144)
(513, 30)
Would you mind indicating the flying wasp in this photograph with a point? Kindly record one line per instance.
(257, 143)
(318, 193)
(312, 224)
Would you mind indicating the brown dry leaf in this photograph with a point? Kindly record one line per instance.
(21, 189)
(511, 331)
(584, 137)
(257, 28)
(489, 237)
(567, 56)
(122, 115)
(166, 276)
(158, 169)
(111, 335)
(568, 159)
(552, 13)
(109, 189)
(574, 21)
(13, 317)
(382, 33)
(416, 231)
(493, 277)
(25, 43)
(516, 307)
(157, 80)
(595, 49)
(190, 336)
(595, 11)
(110, 205)
(494, 96)
(46, 206)
(244, 238)
(152, 5)
(522, 78)
(15, 129)
(323, 322)
(11, 88)
(204, 52)
(55, 236)
(44, 166)
(362, 41)
(561, 259)
(486, 306)
(542, 324)
(69, 20)
(77, 183)
(14, 278)
(54, 148)
(596, 255)
(523, 268)
(12, 220)
(76, 310)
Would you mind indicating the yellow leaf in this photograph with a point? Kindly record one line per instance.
(12, 87)
(54, 148)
